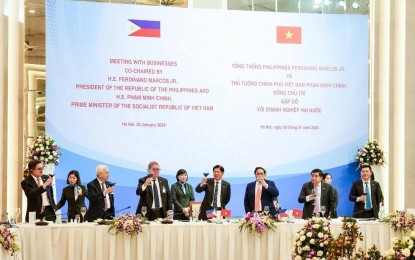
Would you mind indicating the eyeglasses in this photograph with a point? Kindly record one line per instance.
(156, 170)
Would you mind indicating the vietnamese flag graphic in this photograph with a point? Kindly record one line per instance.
(297, 213)
(146, 28)
(289, 34)
(226, 213)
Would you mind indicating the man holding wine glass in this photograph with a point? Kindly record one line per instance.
(259, 194)
(315, 194)
(100, 195)
(38, 190)
(217, 192)
(366, 194)
(154, 194)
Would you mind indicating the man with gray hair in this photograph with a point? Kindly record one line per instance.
(100, 195)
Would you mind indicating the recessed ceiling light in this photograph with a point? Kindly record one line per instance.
(32, 11)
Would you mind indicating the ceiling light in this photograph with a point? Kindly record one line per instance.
(32, 11)
(355, 5)
(341, 3)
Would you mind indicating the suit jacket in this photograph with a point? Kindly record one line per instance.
(74, 207)
(34, 195)
(336, 202)
(208, 188)
(179, 199)
(326, 199)
(97, 202)
(266, 197)
(376, 196)
(146, 196)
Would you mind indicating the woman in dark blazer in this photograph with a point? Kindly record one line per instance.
(75, 194)
(181, 194)
(327, 178)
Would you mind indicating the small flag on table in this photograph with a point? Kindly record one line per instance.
(297, 213)
(283, 213)
(209, 214)
(226, 213)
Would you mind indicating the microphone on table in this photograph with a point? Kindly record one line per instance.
(115, 212)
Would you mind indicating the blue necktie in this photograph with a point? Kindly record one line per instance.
(184, 188)
(156, 195)
(215, 196)
(367, 197)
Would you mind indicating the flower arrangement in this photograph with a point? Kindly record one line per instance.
(344, 245)
(401, 221)
(402, 248)
(129, 224)
(45, 150)
(8, 240)
(370, 154)
(260, 224)
(312, 241)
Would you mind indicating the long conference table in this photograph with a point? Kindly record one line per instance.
(180, 240)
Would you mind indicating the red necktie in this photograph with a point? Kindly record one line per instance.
(258, 198)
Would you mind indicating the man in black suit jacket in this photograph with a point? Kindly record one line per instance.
(365, 207)
(39, 193)
(313, 191)
(268, 192)
(100, 195)
(223, 194)
(148, 188)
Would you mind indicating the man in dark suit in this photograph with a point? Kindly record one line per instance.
(260, 193)
(217, 192)
(154, 193)
(100, 195)
(366, 195)
(39, 193)
(315, 194)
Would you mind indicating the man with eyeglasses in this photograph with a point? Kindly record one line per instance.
(154, 194)
(39, 193)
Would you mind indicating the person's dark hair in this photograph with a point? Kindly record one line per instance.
(366, 166)
(327, 174)
(32, 165)
(78, 177)
(260, 168)
(180, 172)
(219, 167)
(26, 173)
(320, 172)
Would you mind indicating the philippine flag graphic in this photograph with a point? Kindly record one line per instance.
(146, 28)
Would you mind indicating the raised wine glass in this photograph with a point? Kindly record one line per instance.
(205, 174)
(17, 213)
(323, 210)
(83, 212)
(266, 210)
(144, 211)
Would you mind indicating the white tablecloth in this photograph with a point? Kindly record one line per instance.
(195, 240)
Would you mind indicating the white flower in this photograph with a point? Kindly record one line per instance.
(302, 238)
(319, 253)
(322, 245)
(394, 240)
(312, 241)
(302, 232)
(325, 228)
(406, 252)
(320, 235)
(309, 234)
(315, 226)
(390, 252)
(298, 257)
